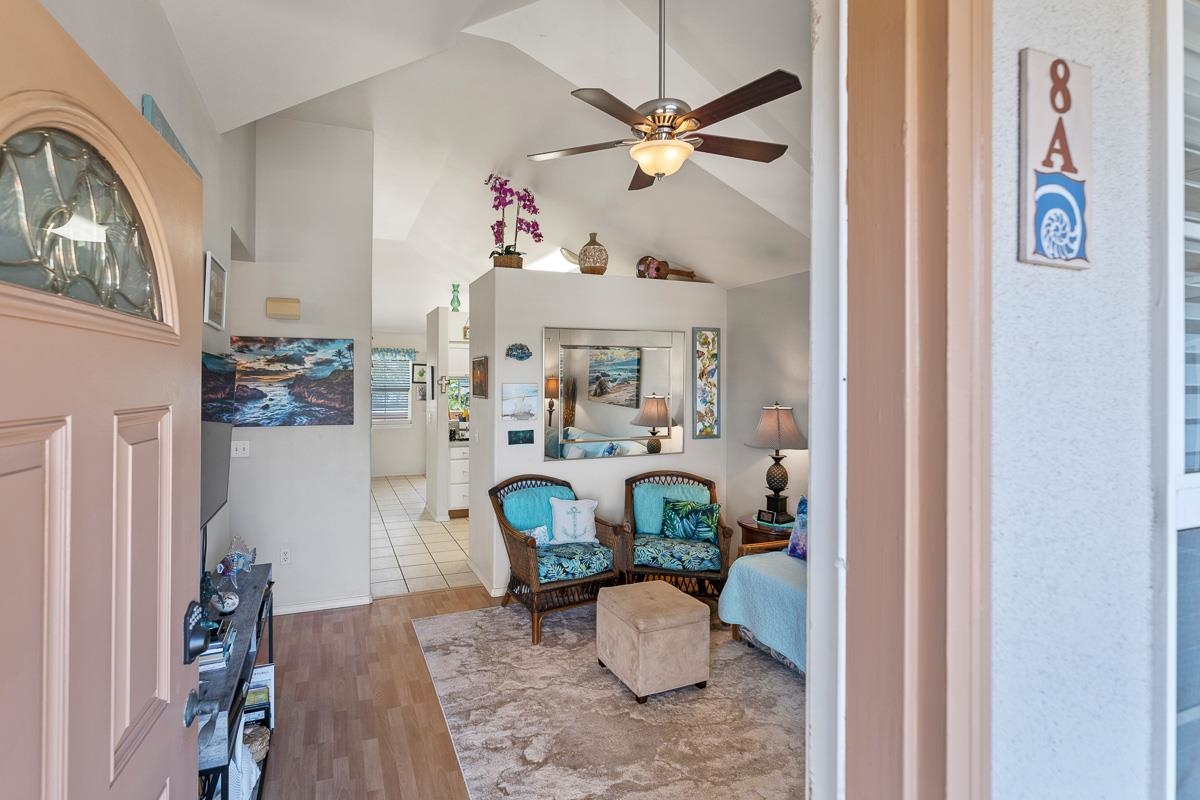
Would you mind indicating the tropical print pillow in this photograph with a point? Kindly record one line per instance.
(687, 519)
(798, 543)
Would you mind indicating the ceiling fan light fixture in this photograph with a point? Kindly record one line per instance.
(661, 157)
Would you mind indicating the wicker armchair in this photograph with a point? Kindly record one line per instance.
(524, 584)
(697, 583)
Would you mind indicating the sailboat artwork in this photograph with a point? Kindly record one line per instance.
(518, 401)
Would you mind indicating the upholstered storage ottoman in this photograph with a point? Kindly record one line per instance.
(652, 636)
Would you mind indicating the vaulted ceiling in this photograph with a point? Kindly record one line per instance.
(454, 91)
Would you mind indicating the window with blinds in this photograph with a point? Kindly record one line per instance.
(391, 387)
(1191, 232)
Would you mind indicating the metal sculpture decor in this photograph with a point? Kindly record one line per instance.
(68, 225)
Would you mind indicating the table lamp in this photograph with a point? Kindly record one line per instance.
(551, 395)
(653, 414)
(777, 431)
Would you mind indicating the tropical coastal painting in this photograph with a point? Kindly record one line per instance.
(218, 386)
(281, 382)
(706, 380)
(614, 375)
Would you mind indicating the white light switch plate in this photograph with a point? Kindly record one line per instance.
(240, 450)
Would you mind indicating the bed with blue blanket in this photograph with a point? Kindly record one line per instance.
(578, 443)
(767, 593)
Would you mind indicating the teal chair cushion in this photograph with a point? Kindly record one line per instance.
(526, 509)
(648, 503)
(564, 562)
(681, 555)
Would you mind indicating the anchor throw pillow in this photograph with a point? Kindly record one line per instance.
(574, 520)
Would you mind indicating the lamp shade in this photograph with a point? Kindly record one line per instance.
(661, 157)
(777, 430)
(552, 386)
(654, 412)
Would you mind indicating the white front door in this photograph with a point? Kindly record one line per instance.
(99, 430)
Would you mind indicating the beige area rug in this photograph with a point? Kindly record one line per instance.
(549, 723)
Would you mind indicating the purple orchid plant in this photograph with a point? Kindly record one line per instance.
(503, 196)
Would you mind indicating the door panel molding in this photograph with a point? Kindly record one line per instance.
(141, 587)
(31, 446)
(31, 109)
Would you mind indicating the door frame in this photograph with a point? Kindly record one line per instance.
(913, 689)
(1177, 494)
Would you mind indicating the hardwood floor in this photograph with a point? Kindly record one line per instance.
(358, 716)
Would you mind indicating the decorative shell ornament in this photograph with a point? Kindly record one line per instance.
(518, 352)
(225, 602)
(240, 558)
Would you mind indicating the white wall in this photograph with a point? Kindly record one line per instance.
(400, 449)
(1072, 518)
(510, 306)
(309, 487)
(766, 360)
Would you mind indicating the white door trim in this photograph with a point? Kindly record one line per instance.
(826, 700)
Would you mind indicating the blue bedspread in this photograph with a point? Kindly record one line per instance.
(768, 593)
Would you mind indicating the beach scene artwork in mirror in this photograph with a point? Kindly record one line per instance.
(281, 382)
(614, 376)
(518, 401)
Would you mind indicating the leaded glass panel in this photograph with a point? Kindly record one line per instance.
(68, 225)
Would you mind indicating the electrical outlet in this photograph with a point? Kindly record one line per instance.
(285, 555)
(239, 450)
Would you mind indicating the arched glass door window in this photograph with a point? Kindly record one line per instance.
(68, 225)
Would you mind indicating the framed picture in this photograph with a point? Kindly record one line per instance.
(520, 437)
(420, 381)
(479, 377)
(614, 376)
(518, 402)
(766, 516)
(215, 283)
(706, 383)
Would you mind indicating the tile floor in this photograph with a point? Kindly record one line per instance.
(410, 551)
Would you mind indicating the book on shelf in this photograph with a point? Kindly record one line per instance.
(262, 688)
(217, 654)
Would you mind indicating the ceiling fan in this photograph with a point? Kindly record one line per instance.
(664, 130)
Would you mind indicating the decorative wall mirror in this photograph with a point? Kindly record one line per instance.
(613, 393)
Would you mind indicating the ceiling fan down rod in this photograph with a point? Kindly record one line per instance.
(662, 48)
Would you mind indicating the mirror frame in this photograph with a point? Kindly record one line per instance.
(673, 342)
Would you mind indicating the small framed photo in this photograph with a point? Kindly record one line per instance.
(216, 280)
(419, 379)
(520, 437)
(479, 377)
(766, 516)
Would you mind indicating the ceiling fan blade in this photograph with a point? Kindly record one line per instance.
(740, 148)
(767, 88)
(640, 180)
(574, 151)
(611, 106)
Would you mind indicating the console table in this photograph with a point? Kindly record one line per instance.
(220, 736)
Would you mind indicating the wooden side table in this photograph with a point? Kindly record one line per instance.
(753, 533)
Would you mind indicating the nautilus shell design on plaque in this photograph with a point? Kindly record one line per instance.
(1059, 229)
